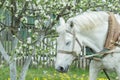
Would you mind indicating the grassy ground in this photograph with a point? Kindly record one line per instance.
(51, 74)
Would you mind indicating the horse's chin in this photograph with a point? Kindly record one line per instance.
(62, 71)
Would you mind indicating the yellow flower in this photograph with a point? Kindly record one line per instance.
(83, 75)
(62, 78)
(81, 78)
(102, 79)
(44, 79)
(8, 78)
(74, 76)
(36, 78)
(55, 74)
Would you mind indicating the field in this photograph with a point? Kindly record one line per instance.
(51, 74)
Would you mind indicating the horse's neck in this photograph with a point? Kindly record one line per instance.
(95, 39)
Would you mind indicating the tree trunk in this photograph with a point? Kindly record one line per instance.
(13, 71)
(26, 66)
(11, 62)
(4, 53)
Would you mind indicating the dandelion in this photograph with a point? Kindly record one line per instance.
(74, 76)
(55, 74)
(83, 75)
(44, 79)
(81, 78)
(102, 79)
(8, 78)
(36, 78)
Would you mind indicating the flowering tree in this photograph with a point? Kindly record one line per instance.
(45, 14)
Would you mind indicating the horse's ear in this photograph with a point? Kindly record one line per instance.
(71, 24)
(61, 21)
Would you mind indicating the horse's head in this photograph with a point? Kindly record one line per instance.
(68, 47)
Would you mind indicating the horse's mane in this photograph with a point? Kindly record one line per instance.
(89, 20)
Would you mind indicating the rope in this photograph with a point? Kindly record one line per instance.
(106, 74)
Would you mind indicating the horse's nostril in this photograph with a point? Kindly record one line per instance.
(61, 68)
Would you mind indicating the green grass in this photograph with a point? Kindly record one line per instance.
(52, 74)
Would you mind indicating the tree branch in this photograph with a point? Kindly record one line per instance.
(23, 11)
(3, 24)
(62, 12)
(2, 30)
(2, 3)
(17, 19)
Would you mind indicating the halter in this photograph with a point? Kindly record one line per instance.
(72, 52)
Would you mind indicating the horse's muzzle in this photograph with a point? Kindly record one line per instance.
(62, 69)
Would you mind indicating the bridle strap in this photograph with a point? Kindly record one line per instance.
(79, 44)
(75, 38)
(72, 52)
(68, 52)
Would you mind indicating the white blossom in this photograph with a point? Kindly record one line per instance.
(28, 0)
(64, 2)
(36, 22)
(25, 45)
(46, 0)
(24, 19)
(7, 3)
(20, 41)
(37, 1)
(20, 48)
(17, 51)
(104, 0)
(13, 36)
(15, 58)
(30, 47)
(36, 12)
(11, 6)
(29, 40)
(18, 29)
(16, 15)
(0, 3)
(48, 16)
(26, 12)
(29, 30)
(37, 45)
(110, 5)
(36, 33)
(40, 7)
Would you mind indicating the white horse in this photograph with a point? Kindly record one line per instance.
(89, 29)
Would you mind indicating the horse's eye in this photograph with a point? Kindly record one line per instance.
(68, 43)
